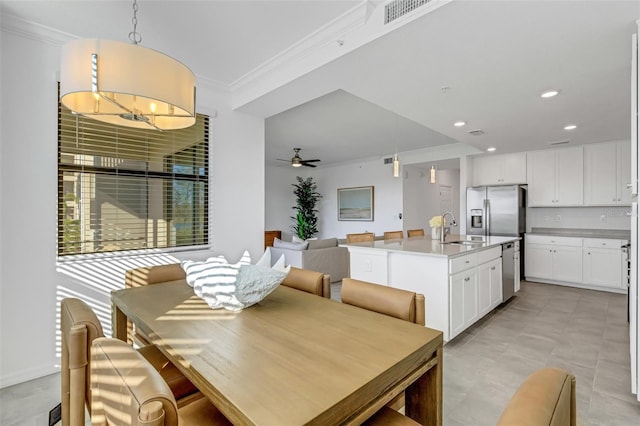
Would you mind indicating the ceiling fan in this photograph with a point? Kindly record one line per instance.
(296, 161)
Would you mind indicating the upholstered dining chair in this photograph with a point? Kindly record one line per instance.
(79, 327)
(148, 275)
(402, 304)
(546, 398)
(395, 302)
(127, 390)
(310, 281)
(415, 233)
(393, 235)
(360, 238)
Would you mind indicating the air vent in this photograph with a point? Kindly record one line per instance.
(559, 142)
(398, 8)
(477, 132)
(388, 160)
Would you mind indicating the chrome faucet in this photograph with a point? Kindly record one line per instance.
(442, 228)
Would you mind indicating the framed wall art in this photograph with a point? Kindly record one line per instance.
(355, 203)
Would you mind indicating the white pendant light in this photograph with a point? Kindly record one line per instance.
(396, 166)
(432, 174)
(126, 84)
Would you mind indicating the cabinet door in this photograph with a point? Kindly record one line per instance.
(495, 272)
(514, 167)
(486, 171)
(541, 177)
(470, 281)
(624, 172)
(456, 304)
(602, 267)
(567, 264)
(600, 174)
(484, 288)
(539, 261)
(569, 177)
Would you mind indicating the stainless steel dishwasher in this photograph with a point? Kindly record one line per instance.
(509, 270)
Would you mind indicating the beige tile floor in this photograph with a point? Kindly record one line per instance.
(583, 331)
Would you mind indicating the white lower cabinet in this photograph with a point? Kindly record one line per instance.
(475, 288)
(464, 300)
(602, 263)
(489, 286)
(575, 261)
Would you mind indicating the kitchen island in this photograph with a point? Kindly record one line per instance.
(461, 279)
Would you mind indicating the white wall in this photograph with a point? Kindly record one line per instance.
(279, 201)
(422, 199)
(31, 280)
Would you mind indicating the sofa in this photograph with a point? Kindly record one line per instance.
(317, 255)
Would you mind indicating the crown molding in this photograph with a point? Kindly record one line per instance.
(332, 32)
(31, 30)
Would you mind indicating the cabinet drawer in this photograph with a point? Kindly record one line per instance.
(489, 254)
(553, 240)
(603, 243)
(461, 263)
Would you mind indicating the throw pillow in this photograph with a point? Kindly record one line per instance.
(320, 244)
(278, 243)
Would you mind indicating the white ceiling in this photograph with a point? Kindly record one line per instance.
(494, 56)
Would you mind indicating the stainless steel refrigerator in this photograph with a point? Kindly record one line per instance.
(500, 211)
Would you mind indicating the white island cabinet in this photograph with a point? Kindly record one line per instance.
(461, 283)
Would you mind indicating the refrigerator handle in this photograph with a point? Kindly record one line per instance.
(634, 116)
(487, 217)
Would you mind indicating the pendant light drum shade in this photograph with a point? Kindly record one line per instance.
(126, 84)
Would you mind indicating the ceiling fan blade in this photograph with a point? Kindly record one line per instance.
(310, 161)
(304, 163)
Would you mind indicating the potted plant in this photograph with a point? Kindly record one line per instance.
(305, 220)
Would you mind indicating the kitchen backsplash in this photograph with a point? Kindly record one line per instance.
(578, 217)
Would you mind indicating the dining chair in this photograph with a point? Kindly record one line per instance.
(79, 327)
(402, 304)
(127, 389)
(415, 233)
(148, 275)
(360, 238)
(310, 281)
(395, 302)
(393, 235)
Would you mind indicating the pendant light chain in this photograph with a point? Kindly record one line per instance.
(135, 36)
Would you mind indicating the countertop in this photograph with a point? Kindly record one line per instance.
(619, 234)
(430, 247)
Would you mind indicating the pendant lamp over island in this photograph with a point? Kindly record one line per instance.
(126, 84)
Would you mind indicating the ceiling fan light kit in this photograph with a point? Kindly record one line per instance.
(296, 161)
(126, 84)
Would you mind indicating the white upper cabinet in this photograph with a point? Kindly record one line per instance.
(607, 171)
(500, 169)
(555, 177)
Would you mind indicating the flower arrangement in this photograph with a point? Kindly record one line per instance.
(435, 221)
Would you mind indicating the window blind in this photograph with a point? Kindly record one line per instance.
(122, 188)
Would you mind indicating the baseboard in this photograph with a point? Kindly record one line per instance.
(26, 375)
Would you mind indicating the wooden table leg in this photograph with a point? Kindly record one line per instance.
(118, 323)
(423, 401)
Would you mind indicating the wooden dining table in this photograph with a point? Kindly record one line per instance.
(292, 359)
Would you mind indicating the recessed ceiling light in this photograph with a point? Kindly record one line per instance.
(570, 127)
(491, 149)
(459, 123)
(549, 93)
